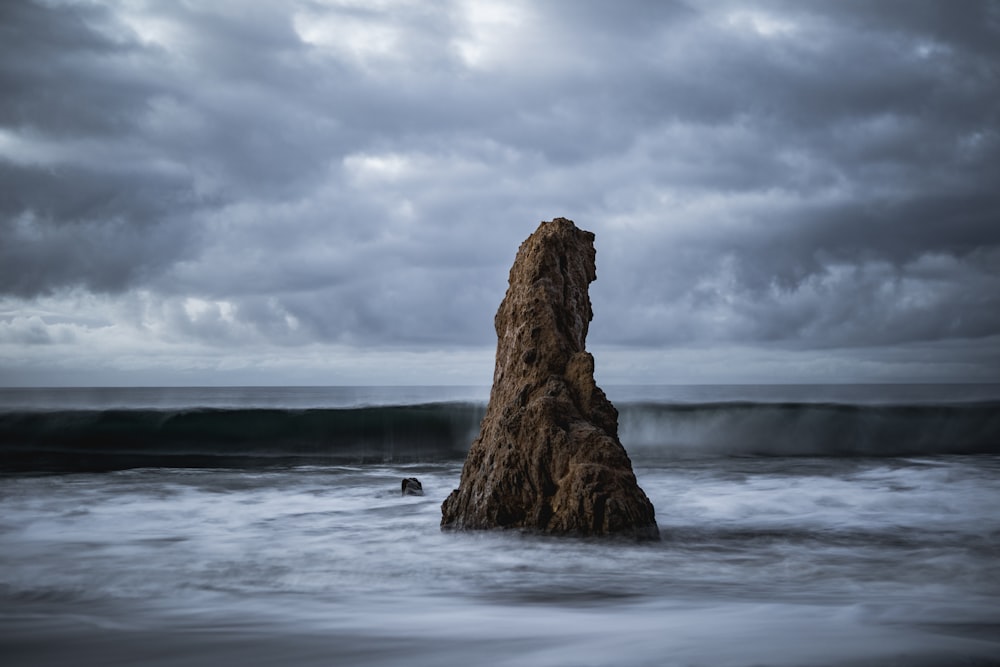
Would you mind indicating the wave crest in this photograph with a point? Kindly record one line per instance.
(77, 440)
(93, 440)
(808, 429)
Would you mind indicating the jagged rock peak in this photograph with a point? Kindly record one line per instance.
(548, 457)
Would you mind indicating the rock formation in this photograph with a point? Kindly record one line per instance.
(548, 457)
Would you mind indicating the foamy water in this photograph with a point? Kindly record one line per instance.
(771, 561)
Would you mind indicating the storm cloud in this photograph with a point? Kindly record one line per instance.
(327, 192)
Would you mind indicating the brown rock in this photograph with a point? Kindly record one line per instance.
(548, 456)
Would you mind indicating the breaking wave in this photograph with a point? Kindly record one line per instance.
(809, 429)
(234, 438)
(111, 439)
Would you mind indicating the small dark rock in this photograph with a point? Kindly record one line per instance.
(412, 487)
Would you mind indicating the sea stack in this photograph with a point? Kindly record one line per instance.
(547, 457)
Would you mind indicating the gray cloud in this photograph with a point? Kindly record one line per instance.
(790, 175)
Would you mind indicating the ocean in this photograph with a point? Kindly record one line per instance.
(801, 525)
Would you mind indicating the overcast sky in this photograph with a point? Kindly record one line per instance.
(332, 192)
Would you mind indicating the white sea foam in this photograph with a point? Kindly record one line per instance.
(764, 561)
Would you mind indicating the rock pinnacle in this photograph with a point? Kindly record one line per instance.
(548, 457)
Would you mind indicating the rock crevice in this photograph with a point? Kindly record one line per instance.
(548, 457)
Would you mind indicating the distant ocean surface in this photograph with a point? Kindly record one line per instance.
(801, 525)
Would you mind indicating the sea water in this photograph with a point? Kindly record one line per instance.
(876, 542)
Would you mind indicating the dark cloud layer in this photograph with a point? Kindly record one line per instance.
(813, 178)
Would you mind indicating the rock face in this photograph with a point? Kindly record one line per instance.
(548, 457)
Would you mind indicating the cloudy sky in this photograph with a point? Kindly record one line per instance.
(332, 191)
